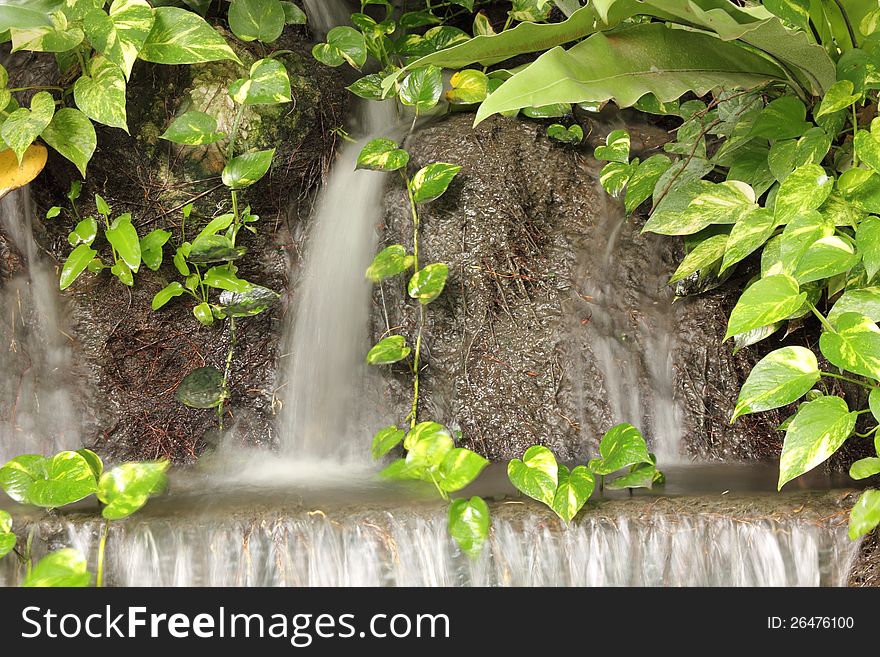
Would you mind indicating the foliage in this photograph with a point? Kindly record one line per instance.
(565, 491)
(63, 479)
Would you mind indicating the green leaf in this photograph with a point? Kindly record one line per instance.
(126, 488)
(369, 87)
(616, 148)
(252, 301)
(385, 440)
(722, 203)
(868, 243)
(799, 235)
(573, 135)
(400, 470)
(27, 13)
(123, 236)
(865, 515)
(213, 248)
(256, 20)
(65, 568)
(706, 253)
(782, 118)
(643, 180)
(344, 44)
(293, 15)
(766, 301)
(60, 37)
(861, 188)
(75, 265)
(825, 258)
(781, 377)
(166, 294)
(747, 236)
(245, 170)
(874, 405)
(202, 388)
(94, 461)
(615, 175)
(427, 445)
(223, 278)
(24, 125)
(7, 538)
(203, 314)
(388, 350)
(468, 87)
(427, 283)
(572, 492)
(469, 524)
(179, 36)
(805, 189)
(530, 10)
(643, 475)
(267, 84)
(132, 21)
(854, 345)
(390, 261)
(459, 468)
(382, 155)
(151, 247)
(536, 475)
(52, 482)
(626, 65)
(193, 129)
(839, 96)
(864, 468)
(816, 432)
(422, 88)
(85, 232)
(621, 446)
(73, 135)
(431, 182)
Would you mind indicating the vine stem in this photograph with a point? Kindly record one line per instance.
(825, 324)
(102, 546)
(847, 379)
(232, 340)
(418, 349)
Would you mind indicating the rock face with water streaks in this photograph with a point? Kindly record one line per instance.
(556, 322)
(135, 358)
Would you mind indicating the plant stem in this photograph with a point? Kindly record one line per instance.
(847, 379)
(868, 433)
(826, 325)
(228, 368)
(237, 217)
(37, 87)
(855, 128)
(233, 134)
(416, 353)
(99, 577)
(849, 27)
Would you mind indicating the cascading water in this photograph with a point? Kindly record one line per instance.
(631, 333)
(37, 409)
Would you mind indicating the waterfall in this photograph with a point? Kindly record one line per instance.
(632, 332)
(37, 407)
(411, 547)
(326, 340)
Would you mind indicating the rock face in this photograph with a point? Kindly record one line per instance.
(556, 322)
(133, 357)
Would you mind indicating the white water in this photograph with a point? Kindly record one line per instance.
(37, 408)
(632, 333)
(327, 413)
(407, 548)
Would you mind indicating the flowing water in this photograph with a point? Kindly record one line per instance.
(631, 334)
(37, 407)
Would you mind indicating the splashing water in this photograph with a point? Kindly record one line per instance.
(37, 408)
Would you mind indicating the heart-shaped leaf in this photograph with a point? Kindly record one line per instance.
(224, 278)
(616, 148)
(344, 44)
(166, 294)
(84, 232)
(643, 475)
(193, 129)
(390, 261)
(66, 568)
(52, 482)
(126, 488)
(151, 247)
(469, 524)
(573, 135)
(256, 20)
(621, 446)
(766, 301)
(431, 182)
(459, 468)
(101, 95)
(865, 515)
(388, 350)
(781, 377)
(572, 492)
(266, 84)
(385, 440)
(382, 155)
(244, 170)
(179, 36)
(421, 89)
(864, 468)
(427, 445)
(75, 265)
(427, 284)
(202, 388)
(536, 475)
(24, 125)
(854, 345)
(72, 134)
(7, 538)
(254, 300)
(470, 86)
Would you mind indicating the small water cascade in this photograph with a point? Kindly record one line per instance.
(325, 414)
(632, 332)
(37, 408)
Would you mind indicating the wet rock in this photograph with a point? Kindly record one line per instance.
(134, 357)
(556, 321)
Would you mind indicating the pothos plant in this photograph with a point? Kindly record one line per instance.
(431, 454)
(63, 479)
(565, 490)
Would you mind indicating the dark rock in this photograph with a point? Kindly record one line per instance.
(556, 321)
